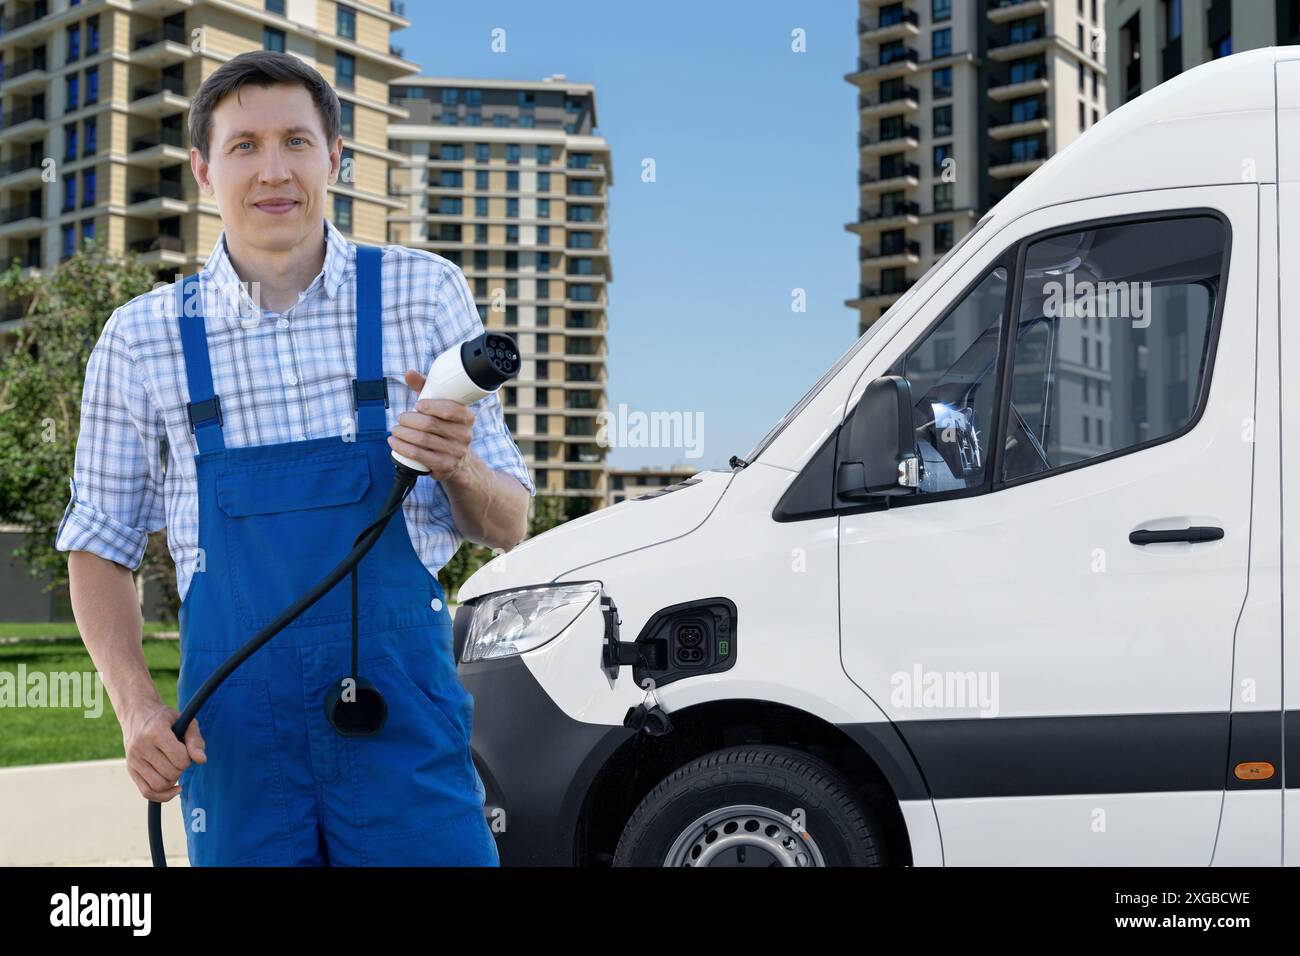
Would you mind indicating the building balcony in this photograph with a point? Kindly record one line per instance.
(873, 69)
(157, 149)
(23, 16)
(25, 74)
(1014, 168)
(889, 254)
(160, 250)
(898, 176)
(1008, 88)
(156, 200)
(906, 100)
(1021, 43)
(1004, 11)
(904, 136)
(899, 25)
(875, 293)
(161, 46)
(160, 97)
(23, 123)
(161, 8)
(23, 219)
(1009, 127)
(891, 215)
(18, 172)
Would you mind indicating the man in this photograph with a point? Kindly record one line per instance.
(276, 420)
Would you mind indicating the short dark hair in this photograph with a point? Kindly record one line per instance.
(264, 68)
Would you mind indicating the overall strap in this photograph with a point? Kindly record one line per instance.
(369, 389)
(204, 406)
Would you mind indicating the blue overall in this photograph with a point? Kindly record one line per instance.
(281, 786)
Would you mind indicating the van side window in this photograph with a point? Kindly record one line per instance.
(953, 375)
(1113, 340)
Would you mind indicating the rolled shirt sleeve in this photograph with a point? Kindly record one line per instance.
(456, 321)
(117, 481)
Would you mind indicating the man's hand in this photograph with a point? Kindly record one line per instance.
(436, 434)
(154, 757)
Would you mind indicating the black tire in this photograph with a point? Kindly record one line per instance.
(844, 830)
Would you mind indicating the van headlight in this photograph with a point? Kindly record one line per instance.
(513, 622)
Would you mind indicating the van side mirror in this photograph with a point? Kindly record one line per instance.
(878, 454)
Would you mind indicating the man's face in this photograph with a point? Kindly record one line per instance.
(268, 166)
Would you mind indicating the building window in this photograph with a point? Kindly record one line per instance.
(449, 152)
(941, 155)
(450, 96)
(1094, 84)
(345, 70)
(1078, 35)
(272, 39)
(940, 10)
(88, 187)
(1081, 116)
(473, 97)
(87, 230)
(74, 42)
(347, 118)
(1173, 20)
(92, 137)
(1223, 47)
(942, 82)
(69, 193)
(543, 155)
(942, 237)
(512, 152)
(512, 208)
(1095, 117)
(941, 43)
(481, 206)
(512, 180)
(92, 35)
(275, 6)
(1082, 74)
(69, 238)
(345, 22)
(473, 119)
(481, 179)
(943, 193)
(69, 142)
(343, 213)
(543, 209)
(943, 120)
(450, 119)
(482, 152)
(449, 206)
(543, 235)
(512, 235)
(501, 120)
(92, 85)
(543, 182)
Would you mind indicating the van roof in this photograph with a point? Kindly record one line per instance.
(1214, 124)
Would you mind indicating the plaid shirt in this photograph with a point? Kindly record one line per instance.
(282, 377)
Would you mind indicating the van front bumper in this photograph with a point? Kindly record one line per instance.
(536, 762)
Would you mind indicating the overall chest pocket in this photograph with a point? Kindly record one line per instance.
(287, 526)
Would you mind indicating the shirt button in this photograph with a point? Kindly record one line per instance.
(282, 324)
(436, 604)
(291, 379)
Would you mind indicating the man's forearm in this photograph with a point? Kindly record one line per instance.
(107, 610)
(488, 506)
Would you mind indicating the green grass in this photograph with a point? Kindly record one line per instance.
(63, 628)
(33, 735)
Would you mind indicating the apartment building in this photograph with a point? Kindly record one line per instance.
(510, 181)
(958, 102)
(94, 100)
(1150, 41)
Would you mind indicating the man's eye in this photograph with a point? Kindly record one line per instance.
(245, 143)
(299, 139)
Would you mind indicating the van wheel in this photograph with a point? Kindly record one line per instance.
(752, 806)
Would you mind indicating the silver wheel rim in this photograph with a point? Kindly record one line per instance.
(743, 835)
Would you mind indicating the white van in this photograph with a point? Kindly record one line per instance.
(993, 591)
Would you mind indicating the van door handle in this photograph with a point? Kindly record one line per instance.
(1193, 535)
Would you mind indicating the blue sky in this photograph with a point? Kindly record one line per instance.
(754, 147)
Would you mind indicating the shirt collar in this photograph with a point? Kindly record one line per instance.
(224, 293)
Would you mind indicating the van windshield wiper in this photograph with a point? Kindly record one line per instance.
(737, 462)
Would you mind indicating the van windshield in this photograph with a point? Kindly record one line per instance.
(847, 357)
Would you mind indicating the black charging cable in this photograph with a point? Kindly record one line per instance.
(405, 479)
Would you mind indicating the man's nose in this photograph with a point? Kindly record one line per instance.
(273, 168)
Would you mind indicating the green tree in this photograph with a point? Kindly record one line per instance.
(42, 370)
